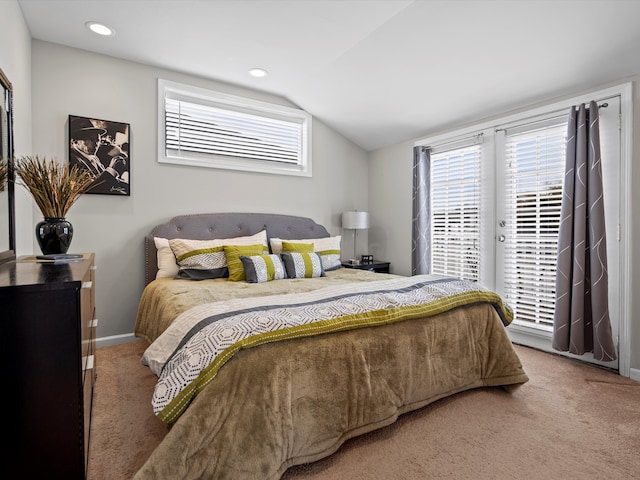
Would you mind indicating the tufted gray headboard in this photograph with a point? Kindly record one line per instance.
(206, 226)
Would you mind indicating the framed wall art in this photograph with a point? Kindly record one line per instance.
(102, 148)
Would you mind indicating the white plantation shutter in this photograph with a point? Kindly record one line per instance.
(207, 128)
(455, 212)
(214, 131)
(533, 182)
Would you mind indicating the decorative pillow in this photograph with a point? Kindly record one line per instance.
(297, 247)
(167, 265)
(200, 259)
(302, 265)
(328, 248)
(263, 268)
(233, 254)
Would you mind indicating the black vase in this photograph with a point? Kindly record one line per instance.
(54, 235)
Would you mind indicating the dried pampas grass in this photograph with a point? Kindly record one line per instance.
(54, 187)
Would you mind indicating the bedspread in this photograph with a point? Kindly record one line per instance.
(296, 401)
(191, 352)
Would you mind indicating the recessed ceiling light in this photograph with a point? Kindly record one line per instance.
(100, 29)
(258, 72)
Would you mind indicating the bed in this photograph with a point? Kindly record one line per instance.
(257, 374)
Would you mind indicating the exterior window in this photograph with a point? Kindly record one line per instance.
(455, 212)
(534, 174)
(516, 184)
(205, 128)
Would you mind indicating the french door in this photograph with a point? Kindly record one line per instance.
(529, 173)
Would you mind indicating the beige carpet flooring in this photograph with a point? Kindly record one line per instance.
(570, 421)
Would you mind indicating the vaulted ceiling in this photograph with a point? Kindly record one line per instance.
(377, 71)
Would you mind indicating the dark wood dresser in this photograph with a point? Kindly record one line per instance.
(47, 367)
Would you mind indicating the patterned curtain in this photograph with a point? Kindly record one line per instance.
(581, 318)
(421, 241)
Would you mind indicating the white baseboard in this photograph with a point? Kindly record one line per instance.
(542, 341)
(116, 340)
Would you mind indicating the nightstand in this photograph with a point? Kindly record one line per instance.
(376, 266)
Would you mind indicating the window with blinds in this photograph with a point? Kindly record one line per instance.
(206, 128)
(534, 175)
(455, 212)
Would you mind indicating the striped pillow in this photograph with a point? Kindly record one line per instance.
(263, 268)
(201, 259)
(328, 248)
(302, 265)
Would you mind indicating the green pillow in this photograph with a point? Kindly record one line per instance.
(233, 254)
(297, 247)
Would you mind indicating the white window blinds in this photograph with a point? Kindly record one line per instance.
(535, 162)
(224, 131)
(455, 212)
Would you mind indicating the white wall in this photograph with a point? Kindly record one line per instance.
(71, 81)
(390, 170)
(15, 62)
(391, 204)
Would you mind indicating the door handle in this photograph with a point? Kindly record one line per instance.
(501, 238)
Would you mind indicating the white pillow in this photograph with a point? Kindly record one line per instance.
(167, 266)
(200, 259)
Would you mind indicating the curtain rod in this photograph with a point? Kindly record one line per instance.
(476, 137)
(560, 113)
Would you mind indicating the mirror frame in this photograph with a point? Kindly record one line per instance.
(10, 254)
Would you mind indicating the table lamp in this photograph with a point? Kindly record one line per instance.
(355, 221)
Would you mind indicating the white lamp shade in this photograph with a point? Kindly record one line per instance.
(355, 220)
